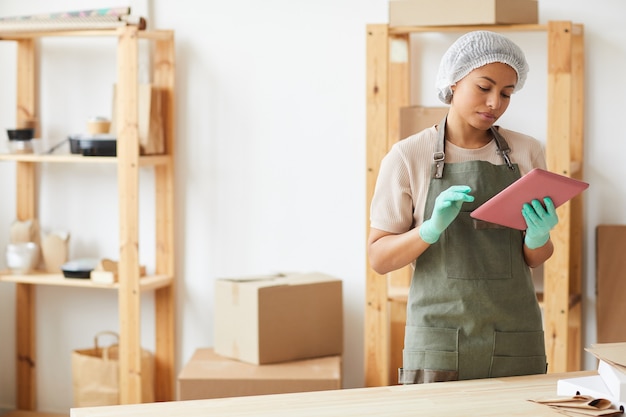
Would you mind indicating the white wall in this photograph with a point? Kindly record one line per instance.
(270, 158)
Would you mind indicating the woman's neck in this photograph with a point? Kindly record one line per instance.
(464, 135)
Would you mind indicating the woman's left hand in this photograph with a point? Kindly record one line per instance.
(540, 221)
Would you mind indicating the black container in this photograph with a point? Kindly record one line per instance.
(93, 145)
(21, 140)
(81, 274)
(80, 268)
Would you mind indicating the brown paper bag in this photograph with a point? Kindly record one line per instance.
(95, 374)
(581, 405)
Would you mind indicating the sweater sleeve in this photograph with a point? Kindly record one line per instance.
(392, 204)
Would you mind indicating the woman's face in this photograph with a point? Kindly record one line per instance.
(482, 96)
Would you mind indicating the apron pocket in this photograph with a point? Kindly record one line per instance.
(518, 353)
(430, 348)
(469, 255)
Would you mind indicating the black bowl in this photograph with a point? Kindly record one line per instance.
(21, 134)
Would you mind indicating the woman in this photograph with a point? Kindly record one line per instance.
(472, 310)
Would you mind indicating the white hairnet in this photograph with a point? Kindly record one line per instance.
(473, 50)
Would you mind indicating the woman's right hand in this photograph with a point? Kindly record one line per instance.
(391, 251)
(447, 207)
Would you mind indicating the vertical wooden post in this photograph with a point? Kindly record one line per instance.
(577, 141)
(397, 324)
(128, 182)
(376, 333)
(399, 95)
(26, 210)
(26, 358)
(164, 78)
(562, 273)
(387, 91)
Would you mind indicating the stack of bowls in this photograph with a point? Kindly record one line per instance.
(21, 140)
(22, 258)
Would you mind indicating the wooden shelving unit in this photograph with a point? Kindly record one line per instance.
(128, 162)
(388, 52)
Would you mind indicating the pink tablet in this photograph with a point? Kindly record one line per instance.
(505, 208)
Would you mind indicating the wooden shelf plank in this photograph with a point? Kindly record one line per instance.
(146, 283)
(14, 36)
(148, 160)
(398, 30)
(25, 413)
(397, 294)
(113, 33)
(574, 300)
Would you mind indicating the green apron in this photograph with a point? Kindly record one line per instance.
(472, 310)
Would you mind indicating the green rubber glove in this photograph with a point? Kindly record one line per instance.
(540, 220)
(447, 207)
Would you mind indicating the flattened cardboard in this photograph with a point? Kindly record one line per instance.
(613, 353)
(281, 318)
(151, 102)
(208, 375)
(462, 12)
(414, 119)
(611, 292)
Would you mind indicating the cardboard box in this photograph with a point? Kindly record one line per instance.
(462, 12)
(208, 375)
(278, 318)
(417, 118)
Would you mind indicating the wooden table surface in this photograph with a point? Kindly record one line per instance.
(486, 397)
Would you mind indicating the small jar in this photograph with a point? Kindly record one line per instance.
(21, 140)
(21, 145)
(98, 125)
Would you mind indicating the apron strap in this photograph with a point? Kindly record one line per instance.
(439, 155)
(503, 148)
